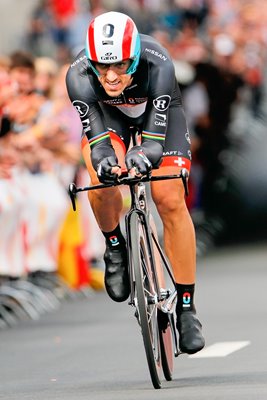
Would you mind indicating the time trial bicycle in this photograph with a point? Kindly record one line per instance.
(153, 302)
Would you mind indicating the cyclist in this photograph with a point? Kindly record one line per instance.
(123, 79)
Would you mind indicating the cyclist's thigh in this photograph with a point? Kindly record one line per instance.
(167, 192)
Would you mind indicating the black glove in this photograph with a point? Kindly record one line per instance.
(104, 169)
(136, 158)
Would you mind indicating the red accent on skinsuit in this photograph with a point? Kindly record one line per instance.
(172, 161)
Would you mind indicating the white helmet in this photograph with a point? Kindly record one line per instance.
(113, 37)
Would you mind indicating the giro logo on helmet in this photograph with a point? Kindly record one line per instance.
(108, 57)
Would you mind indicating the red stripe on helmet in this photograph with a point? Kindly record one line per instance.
(127, 39)
(91, 41)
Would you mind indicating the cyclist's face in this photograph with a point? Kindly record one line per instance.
(113, 77)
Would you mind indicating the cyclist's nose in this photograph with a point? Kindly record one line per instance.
(111, 75)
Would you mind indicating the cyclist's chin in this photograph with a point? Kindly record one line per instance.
(114, 92)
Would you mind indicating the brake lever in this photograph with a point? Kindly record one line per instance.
(184, 176)
(72, 194)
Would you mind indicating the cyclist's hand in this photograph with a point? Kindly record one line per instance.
(108, 170)
(137, 162)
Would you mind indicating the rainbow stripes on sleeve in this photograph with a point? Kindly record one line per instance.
(99, 138)
(153, 135)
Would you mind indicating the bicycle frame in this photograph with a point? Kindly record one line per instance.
(139, 206)
(165, 300)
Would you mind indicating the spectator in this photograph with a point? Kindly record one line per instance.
(46, 70)
(218, 47)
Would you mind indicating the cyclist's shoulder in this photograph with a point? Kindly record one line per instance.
(78, 74)
(153, 51)
(79, 64)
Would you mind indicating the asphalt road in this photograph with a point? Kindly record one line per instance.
(92, 348)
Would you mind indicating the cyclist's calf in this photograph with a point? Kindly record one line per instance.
(107, 205)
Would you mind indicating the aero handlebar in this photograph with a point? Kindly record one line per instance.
(127, 180)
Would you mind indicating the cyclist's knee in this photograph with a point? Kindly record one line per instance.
(171, 206)
(169, 201)
(108, 196)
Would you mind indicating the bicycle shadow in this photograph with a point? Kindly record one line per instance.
(242, 378)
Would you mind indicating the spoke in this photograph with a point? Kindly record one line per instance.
(150, 313)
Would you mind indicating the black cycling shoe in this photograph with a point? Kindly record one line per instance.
(190, 335)
(116, 274)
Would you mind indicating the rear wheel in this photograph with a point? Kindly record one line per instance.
(145, 298)
(166, 345)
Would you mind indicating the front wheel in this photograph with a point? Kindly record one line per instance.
(145, 297)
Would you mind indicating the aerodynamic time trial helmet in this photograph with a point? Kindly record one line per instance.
(113, 37)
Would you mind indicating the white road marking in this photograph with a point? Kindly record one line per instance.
(221, 349)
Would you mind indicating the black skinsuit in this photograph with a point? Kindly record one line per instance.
(152, 103)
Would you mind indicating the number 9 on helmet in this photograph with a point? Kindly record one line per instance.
(111, 38)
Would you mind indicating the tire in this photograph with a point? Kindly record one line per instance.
(166, 345)
(144, 292)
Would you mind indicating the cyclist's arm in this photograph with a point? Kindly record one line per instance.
(155, 128)
(83, 98)
(163, 94)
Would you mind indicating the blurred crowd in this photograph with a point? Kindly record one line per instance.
(219, 52)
